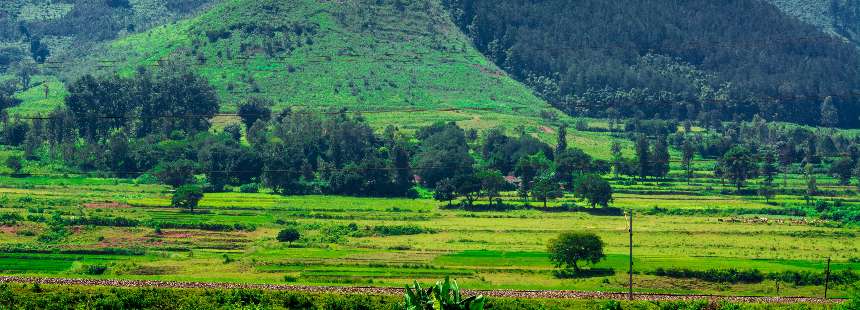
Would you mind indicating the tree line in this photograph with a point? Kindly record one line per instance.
(156, 126)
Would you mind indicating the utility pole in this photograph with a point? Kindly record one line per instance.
(827, 278)
(630, 272)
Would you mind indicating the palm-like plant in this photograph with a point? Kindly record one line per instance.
(417, 298)
(445, 295)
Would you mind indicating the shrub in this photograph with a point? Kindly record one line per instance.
(250, 188)
(713, 275)
(396, 230)
(94, 269)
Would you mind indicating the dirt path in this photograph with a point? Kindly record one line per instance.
(399, 291)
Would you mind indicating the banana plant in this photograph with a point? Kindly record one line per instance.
(418, 298)
(442, 296)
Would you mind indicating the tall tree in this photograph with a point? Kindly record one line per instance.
(660, 158)
(767, 170)
(492, 183)
(187, 197)
(617, 158)
(445, 191)
(843, 169)
(562, 139)
(594, 189)
(527, 169)
(570, 163)
(255, 108)
(443, 153)
(738, 165)
(688, 152)
(402, 171)
(546, 188)
(643, 156)
(175, 172)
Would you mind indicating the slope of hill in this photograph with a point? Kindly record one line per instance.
(701, 59)
(364, 55)
(406, 60)
(69, 29)
(839, 17)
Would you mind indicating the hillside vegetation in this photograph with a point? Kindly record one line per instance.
(363, 55)
(839, 17)
(63, 30)
(698, 60)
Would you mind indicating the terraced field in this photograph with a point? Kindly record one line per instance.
(232, 239)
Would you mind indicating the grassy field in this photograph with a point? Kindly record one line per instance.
(483, 250)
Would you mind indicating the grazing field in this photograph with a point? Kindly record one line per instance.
(119, 228)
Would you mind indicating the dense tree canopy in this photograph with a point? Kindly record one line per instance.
(659, 58)
(144, 104)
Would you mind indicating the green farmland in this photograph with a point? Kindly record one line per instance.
(686, 227)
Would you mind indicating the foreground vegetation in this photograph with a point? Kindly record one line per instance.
(14, 296)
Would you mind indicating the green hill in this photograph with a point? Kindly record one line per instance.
(405, 63)
(365, 55)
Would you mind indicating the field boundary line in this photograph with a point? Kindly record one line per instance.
(370, 290)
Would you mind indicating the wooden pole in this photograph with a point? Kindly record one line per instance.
(630, 280)
(827, 278)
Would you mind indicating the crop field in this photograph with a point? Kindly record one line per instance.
(120, 228)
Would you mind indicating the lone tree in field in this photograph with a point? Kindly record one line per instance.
(571, 247)
(187, 197)
(594, 189)
(289, 235)
(737, 165)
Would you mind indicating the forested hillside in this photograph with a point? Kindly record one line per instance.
(55, 31)
(702, 60)
(839, 17)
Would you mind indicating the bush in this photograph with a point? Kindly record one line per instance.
(250, 188)
(204, 226)
(94, 269)
(713, 275)
(396, 230)
(103, 221)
